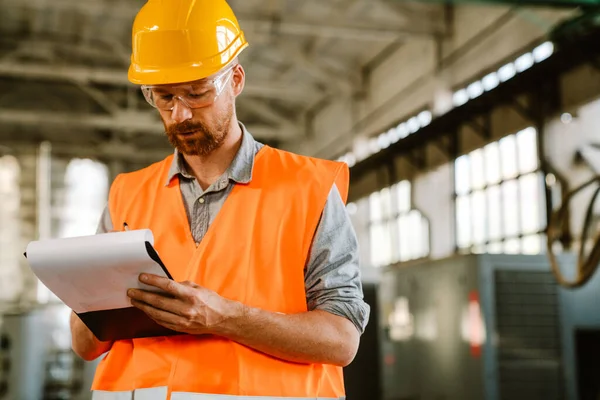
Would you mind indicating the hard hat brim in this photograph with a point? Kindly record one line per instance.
(147, 75)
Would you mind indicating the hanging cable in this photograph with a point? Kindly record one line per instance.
(586, 264)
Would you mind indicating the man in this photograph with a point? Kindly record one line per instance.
(266, 289)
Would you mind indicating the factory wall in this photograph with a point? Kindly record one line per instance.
(420, 76)
(433, 191)
(413, 77)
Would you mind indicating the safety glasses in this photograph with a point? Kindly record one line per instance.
(194, 95)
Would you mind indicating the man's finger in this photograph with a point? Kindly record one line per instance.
(166, 284)
(161, 317)
(157, 301)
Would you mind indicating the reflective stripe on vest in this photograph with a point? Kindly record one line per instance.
(160, 393)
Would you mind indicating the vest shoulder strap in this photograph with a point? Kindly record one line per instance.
(132, 182)
(284, 165)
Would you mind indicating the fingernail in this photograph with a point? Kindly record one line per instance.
(130, 293)
(143, 277)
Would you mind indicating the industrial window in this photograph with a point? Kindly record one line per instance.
(397, 231)
(86, 188)
(10, 234)
(500, 197)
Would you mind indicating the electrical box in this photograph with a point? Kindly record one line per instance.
(484, 327)
(26, 341)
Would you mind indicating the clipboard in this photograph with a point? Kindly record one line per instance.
(71, 267)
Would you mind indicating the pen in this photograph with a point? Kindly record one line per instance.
(125, 226)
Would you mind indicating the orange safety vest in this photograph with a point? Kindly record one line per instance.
(254, 252)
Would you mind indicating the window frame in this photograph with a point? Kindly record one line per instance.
(393, 219)
(476, 247)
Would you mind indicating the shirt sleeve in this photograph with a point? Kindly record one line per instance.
(332, 276)
(105, 224)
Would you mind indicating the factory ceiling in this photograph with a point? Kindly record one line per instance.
(63, 68)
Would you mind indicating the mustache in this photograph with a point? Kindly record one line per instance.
(185, 127)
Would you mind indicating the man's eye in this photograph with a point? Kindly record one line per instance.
(198, 95)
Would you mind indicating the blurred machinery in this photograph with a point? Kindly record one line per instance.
(36, 360)
(362, 376)
(488, 327)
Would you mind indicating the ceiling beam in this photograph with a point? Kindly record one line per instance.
(269, 114)
(116, 77)
(123, 121)
(126, 10)
(69, 150)
(360, 33)
(303, 60)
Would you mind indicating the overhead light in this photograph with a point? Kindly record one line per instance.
(393, 135)
(506, 72)
(374, 146)
(413, 125)
(460, 97)
(550, 179)
(566, 118)
(424, 118)
(361, 149)
(543, 51)
(475, 89)
(383, 141)
(490, 81)
(402, 130)
(524, 62)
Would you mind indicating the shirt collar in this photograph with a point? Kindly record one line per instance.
(239, 171)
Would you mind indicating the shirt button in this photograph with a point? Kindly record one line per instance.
(201, 200)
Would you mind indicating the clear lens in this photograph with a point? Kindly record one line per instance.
(198, 95)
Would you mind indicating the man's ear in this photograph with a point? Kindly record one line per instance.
(238, 80)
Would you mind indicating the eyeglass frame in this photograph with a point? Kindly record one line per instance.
(215, 81)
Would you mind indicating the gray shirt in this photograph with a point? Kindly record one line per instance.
(332, 274)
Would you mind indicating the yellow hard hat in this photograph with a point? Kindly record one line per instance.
(177, 41)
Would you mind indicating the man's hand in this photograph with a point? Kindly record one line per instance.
(190, 309)
(308, 337)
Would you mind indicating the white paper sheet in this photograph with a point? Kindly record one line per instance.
(93, 273)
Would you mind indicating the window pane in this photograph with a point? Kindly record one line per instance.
(492, 163)
(404, 229)
(512, 246)
(478, 249)
(477, 170)
(385, 199)
(530, 203)
(403, 193)
(494, 212)
(510, 208)
(479, 217)
(527, 145)
(86, 191)
(380, 245)
(414, 223)
(495, 248)
(463, 221)
(508, 154)
(375, 207)
(11, 280)
(424, 237)
(532, 244)
(461, 175)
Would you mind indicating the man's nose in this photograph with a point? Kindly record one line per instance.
(181, 112)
